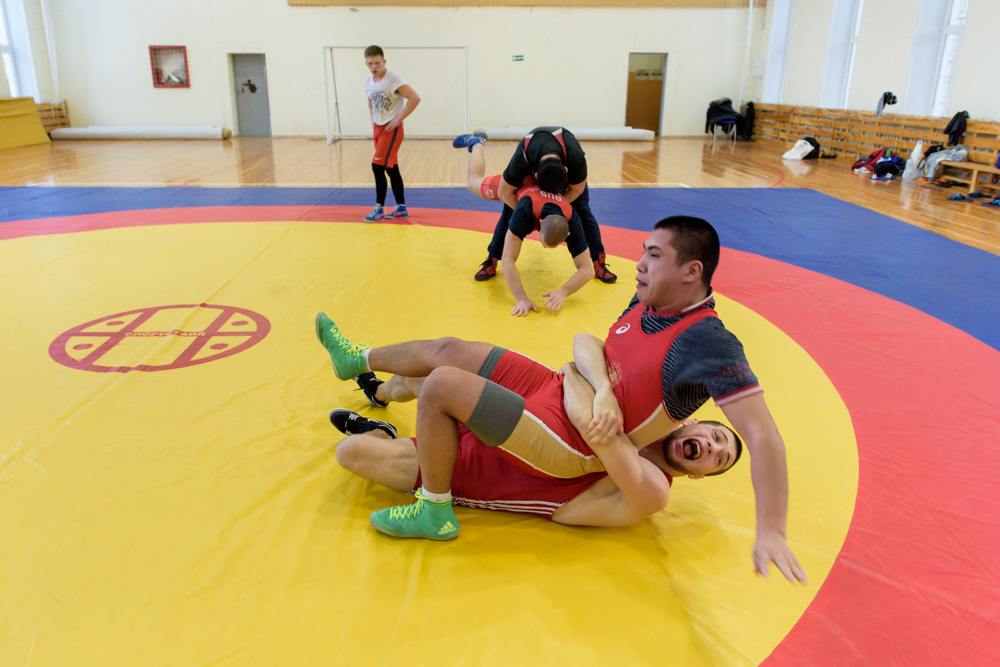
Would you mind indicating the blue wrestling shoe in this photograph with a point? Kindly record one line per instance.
(347, 357)
(399, 212)
(376, 214)
(424, 518)
(469, 140)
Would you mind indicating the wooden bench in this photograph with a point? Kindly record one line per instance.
(857, 133)
(54, 115)
(969, 172)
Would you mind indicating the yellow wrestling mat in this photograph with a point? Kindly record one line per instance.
(192, 513)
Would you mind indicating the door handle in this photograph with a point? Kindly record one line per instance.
(249, 84)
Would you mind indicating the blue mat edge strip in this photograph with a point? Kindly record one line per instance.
(948, 280)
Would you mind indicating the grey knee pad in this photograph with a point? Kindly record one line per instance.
(492, 359)
(496, 414)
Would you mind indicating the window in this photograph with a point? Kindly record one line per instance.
(951, 40)
(7, 53)
(852, 51)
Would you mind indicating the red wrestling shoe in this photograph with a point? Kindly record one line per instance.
(601, 271)
(488, 269)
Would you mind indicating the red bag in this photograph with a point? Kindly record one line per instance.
(869, 162)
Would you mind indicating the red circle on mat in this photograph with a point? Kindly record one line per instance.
(227, 329)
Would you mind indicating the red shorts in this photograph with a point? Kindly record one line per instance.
(490, 187)
(544, 443)
(387, 146)
(485, 479)
(494, 478)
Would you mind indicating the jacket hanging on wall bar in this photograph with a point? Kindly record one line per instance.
(956, 127)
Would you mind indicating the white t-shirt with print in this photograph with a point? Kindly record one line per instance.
(386, 102)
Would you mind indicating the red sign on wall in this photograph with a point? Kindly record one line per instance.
(170, 66)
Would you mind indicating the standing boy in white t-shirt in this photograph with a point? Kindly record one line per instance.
(390, 100)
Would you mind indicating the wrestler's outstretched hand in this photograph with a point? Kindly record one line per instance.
(523, 308)
(554, 300)
(770, 548)
(608, 420)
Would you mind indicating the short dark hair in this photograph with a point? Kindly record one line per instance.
(694, 238)
(374, 51)
(553, 230)
(552, 176)
(736, 439)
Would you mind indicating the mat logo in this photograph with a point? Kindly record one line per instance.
(159, 338)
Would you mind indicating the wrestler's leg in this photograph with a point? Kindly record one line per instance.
(419, 357)
(477, 169)
(470, 357)
(412, 359)
(399, 389)
(448, 396)
(381, 459)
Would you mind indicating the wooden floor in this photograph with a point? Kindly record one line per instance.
(310, 162)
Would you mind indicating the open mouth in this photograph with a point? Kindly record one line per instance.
(691, 449)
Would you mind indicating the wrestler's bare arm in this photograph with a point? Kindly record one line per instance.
(643, 490)
(588, 353)
(768, 471)
(412, 100)
(574, 191)
(507, 193)
(511, 251)
(584, 272)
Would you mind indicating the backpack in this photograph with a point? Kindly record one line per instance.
(889, 165)
(815, 152)
(868, 163)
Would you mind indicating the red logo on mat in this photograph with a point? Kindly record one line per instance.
(160, 338)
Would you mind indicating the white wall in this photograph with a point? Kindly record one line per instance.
(882, 63)
(4, 88)
(884, 45)
(979, 64)
(575, 68)
(39, 49)
(807, 52)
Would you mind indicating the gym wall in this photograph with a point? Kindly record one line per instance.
(574, 70)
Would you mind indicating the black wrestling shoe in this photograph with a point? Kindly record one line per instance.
(350, 422)
(602, 272)
(368, 383)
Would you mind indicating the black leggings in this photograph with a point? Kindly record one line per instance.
(380, 185)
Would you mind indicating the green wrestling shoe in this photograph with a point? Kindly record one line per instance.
(424, 518)
(347, 357)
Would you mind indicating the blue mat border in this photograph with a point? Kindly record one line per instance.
(953, 282)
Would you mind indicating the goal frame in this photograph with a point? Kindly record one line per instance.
(330, 86)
